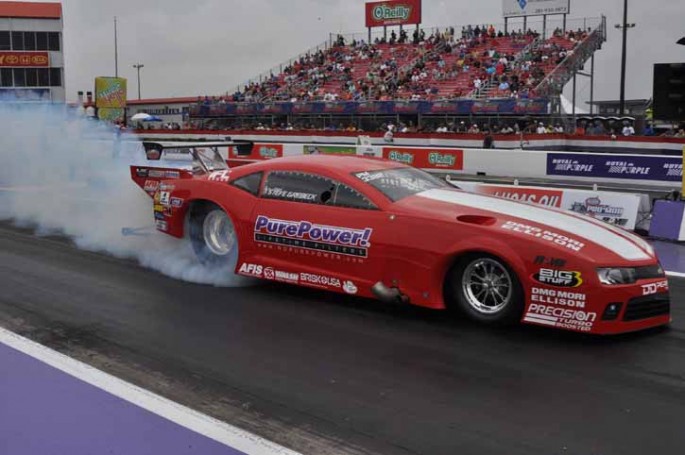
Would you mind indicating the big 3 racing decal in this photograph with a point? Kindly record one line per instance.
(559, 278)
(303, 234)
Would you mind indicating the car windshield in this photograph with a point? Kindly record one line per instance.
(400, 182)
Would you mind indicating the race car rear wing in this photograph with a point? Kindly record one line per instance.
(181, 160)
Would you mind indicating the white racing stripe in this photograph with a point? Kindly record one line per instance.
(195, 421)
(552, 219)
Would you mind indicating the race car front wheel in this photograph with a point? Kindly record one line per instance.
(213, 235)
(486, 289)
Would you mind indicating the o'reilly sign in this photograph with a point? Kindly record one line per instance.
(394, 12)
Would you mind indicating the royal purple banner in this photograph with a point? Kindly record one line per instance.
(610, 166)
(449, 107)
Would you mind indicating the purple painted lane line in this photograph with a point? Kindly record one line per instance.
(46, 411)
(671, 255)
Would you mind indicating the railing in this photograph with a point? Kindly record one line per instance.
(554, 82)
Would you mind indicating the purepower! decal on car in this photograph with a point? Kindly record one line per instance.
(303, 234)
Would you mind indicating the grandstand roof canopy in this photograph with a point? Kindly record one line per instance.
(30, 10)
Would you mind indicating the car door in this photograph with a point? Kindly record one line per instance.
(319, 232)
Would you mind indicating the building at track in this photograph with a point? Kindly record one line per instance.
(31, 52)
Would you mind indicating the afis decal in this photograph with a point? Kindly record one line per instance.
(559, 278)
(307, 235)
(161, 225)
(251, 270)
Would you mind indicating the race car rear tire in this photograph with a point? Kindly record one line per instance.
(212, 235)
(485, 289)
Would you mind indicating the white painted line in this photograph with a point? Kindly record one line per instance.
(195, 421)
(676, 274)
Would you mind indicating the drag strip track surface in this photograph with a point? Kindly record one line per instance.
(323, 373)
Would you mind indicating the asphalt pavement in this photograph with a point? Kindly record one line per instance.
(329, 374)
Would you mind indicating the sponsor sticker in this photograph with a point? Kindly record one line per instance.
(164, 198)
(141, 172)
(151, 186)
(558, 298)
(549, 261)
(161, 225)
(278, 275)
(544, 234)
(307, 235)
(281, 193)
(219, 176)
(350, 287)
(560, 317)
(320, 280)
(254, 270)
(176, 202)
(655, 288)
(559, 278)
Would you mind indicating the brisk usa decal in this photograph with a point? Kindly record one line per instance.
(303, 234)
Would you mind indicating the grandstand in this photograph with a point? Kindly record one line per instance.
(469, 70)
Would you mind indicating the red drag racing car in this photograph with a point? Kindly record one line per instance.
(376, 228)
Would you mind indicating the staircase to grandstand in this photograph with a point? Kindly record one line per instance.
(443, 66)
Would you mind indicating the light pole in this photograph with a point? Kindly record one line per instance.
(624, 27)
(138, 66)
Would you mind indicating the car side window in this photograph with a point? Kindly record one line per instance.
(308, 188)
(298, 187)
(346, 196)
(249, 183)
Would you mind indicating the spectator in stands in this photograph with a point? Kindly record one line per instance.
(628, 129)
(541, 129)
(649, 130)
(389, 135)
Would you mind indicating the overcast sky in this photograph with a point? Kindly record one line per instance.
(197, 47)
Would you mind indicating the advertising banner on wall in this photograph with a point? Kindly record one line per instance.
(610, 166)
(442, 158)
(621, 209)
(262, 151)
(110, 92)
(514, 8)
(24, 59)
(453, 107)
(393, 12)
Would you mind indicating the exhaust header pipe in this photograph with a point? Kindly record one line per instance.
(388, 295)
